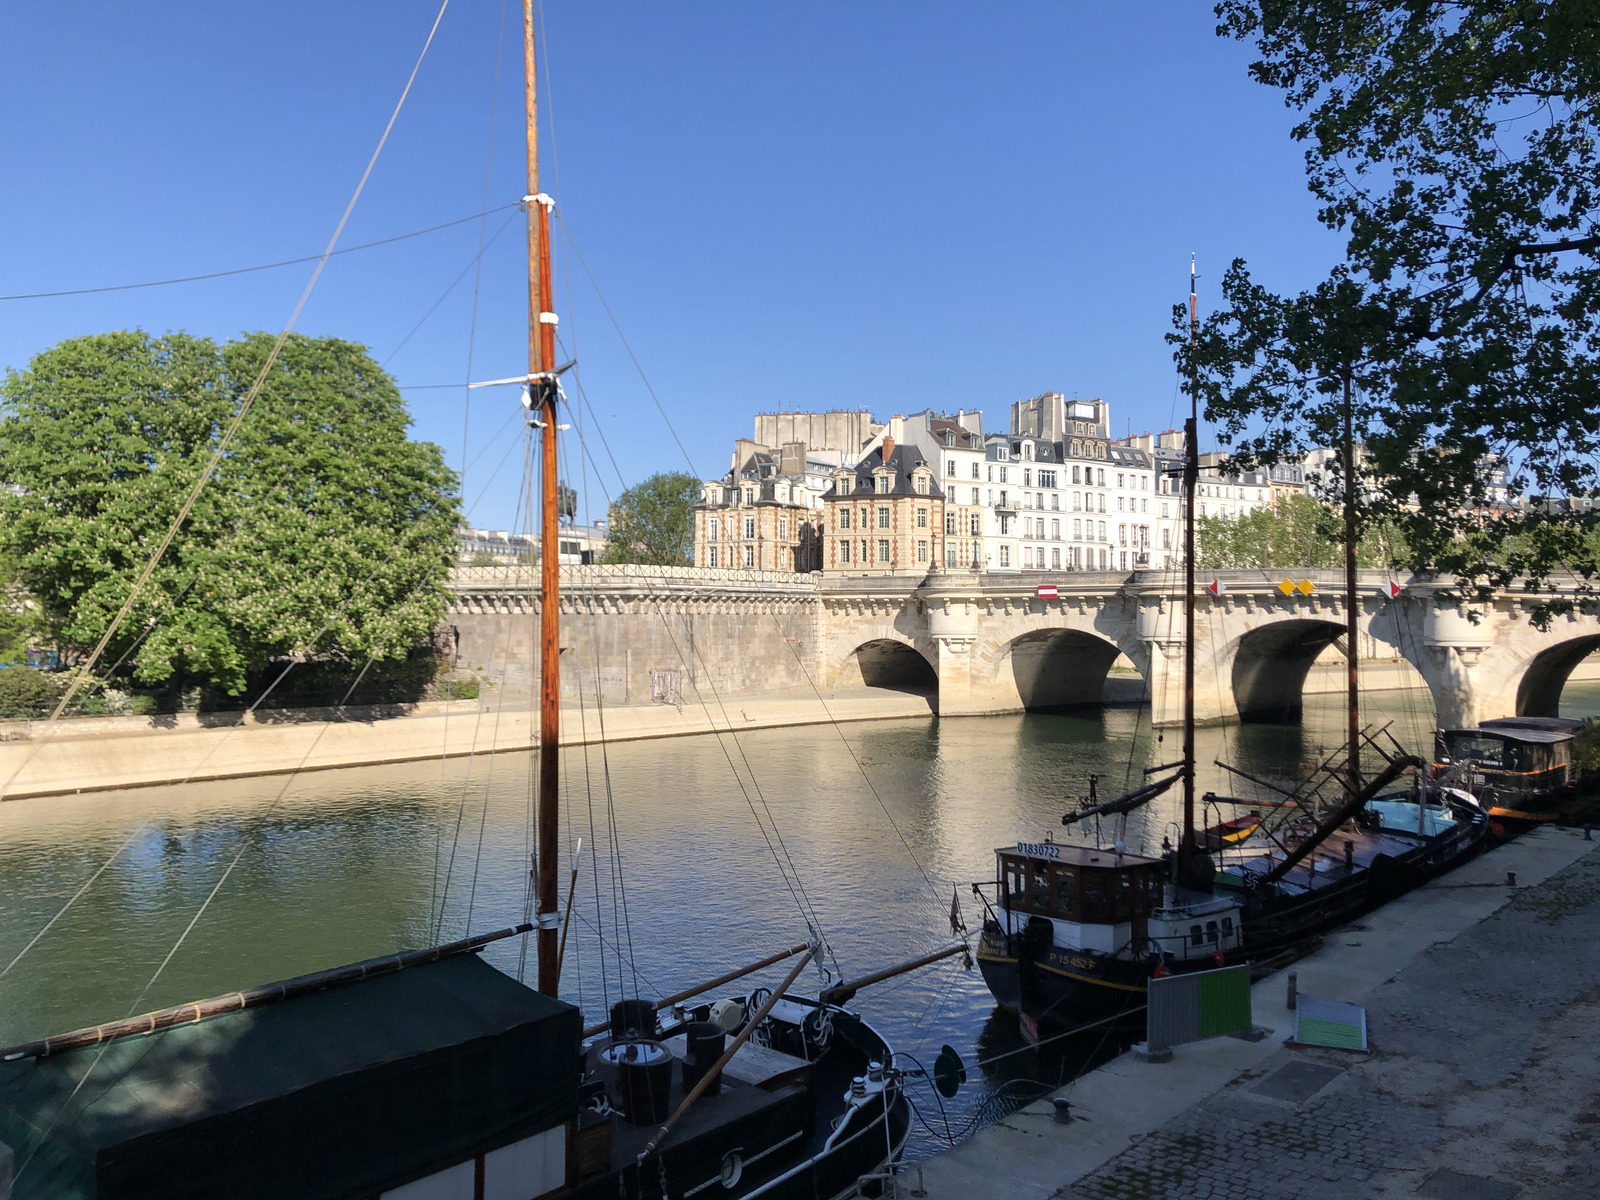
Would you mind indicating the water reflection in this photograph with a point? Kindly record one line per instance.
(678, 870)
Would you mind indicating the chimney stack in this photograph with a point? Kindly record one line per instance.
(888, 447)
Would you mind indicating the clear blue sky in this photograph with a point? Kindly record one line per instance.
(887, 205)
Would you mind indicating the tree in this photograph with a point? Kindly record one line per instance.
(324, 529)
(653, 522)
(1297, 532)
(1453, 143)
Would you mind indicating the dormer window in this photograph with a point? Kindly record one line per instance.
(949, 439)
(884, 483)
(1002, 453)
(922, 484)
(1027, 451)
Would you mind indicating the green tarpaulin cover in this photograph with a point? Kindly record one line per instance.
(341, 1093)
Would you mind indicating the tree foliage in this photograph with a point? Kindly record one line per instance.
(653, 522)
(1297, 532)
(1454, 144)
(324, 530)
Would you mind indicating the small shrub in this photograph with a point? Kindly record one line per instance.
(25, 692)
(143, 706)
(459, 689)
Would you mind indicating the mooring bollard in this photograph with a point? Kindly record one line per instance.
(1294, 979)
(1511, 879)
(1063, 1110)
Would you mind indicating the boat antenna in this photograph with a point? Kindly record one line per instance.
(1191, 476)
(543, 390)
(1351, 599)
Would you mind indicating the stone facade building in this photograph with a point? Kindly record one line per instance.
(884, 516)
(758, 525)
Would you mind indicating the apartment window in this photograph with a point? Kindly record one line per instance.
(1005, 556)
(1075, 478)
(844, 518)
(1077, 501)
(1164, 508)
(1100, 473)
(1047, 479)
(749, 527)
(1144, 504)
(1003, 498)
(1102, 502)
(783, 528)
(1122, 535)
(1005, 474)
(1055, 502)
(1119, 478)
(1027, 476)
(991, 474)
(949, 555)
(883, 518)
(949, 524)
(977, 555)
(749, 556)
(844, 550)
(974, 470)
(975, 495)
(1119, 503)
(711, 525)
(922, 552)
(1027, 557)
(1077, 452)
(713, 561)
(950, 468)
(1101, 538)
(883, 550)
(1077, 531)
(1005, 526)
(1055, 558)
(975, 524)
(922, 518)
(1055, 531)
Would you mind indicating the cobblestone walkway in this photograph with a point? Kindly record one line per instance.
(1484, 1082)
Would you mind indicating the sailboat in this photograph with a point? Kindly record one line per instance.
(430, 1075)
(1073, 933)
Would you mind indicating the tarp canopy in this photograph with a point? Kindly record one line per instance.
(340, 1093)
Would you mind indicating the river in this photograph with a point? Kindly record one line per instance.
(880, 821)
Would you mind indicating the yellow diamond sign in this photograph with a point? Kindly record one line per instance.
(1306, 587)
(1286, 587)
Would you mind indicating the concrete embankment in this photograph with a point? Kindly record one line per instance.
(95, 753)
(1481, 1081)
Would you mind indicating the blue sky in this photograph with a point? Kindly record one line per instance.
(885, 205)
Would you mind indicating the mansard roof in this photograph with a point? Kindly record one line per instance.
(903, 462)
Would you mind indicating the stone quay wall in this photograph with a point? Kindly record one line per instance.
(637, 635)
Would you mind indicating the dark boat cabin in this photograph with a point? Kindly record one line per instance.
(1086, 892)
(1507, 758)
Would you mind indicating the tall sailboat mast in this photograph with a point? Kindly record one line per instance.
(542, 394)
(1351, 599)
(1191, 477)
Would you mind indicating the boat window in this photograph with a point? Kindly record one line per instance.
(1194, 935)
(1488, 751)
(1014, 885)
(1096, 901)
(1127, 897)
(1211, 933)
(1227, 927)
(1066, 892)
(1152, 890)
(1039, 893)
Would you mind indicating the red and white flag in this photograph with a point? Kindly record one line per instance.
(1216, 587)
(1046, 591)
(1391, 589)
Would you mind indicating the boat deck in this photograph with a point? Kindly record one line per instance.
(1326, 864)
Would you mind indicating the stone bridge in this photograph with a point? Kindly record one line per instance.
(988, 643)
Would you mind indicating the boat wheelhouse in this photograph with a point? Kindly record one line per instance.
(1505, 762)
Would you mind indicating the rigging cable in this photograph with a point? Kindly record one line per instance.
(288, 262)
(477, 261)
(233, 426)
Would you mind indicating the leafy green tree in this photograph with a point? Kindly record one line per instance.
(653, 522)
(1297, 532)
(1453, 143)
(17, 611)
(324, 530)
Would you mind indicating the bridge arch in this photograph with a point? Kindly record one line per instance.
(1544, 676)
(1057, 668)
(1270, 665)
(894, 665)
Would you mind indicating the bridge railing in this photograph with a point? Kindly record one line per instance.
(520, 577)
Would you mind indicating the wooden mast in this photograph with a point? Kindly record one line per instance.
(542, 393)
(1191, 476)
(1351, 599)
